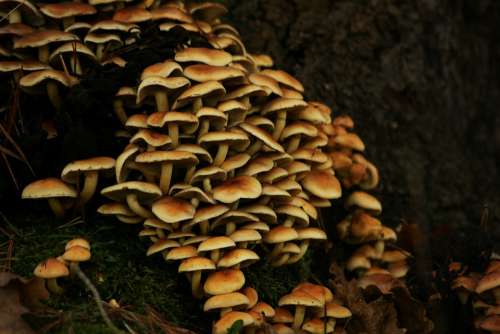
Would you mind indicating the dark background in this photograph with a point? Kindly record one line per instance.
(419, 78)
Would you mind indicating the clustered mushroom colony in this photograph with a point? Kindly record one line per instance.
(482, 291)
(226, 160)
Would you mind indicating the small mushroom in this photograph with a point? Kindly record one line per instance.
(50, 270)
(51, 189)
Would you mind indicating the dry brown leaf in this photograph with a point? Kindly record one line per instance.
(19, 296)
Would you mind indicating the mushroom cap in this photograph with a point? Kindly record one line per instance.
(211, 88)
(162, 245)
(232, 299)
(319, 326)
(207, 11)
(263, 60)
(211, 172)
(317, 291)
(265, 81)
(310, 155)
(252, 295)
(282, 328)
(264, 309)
(170, 13)
(16, 29)
(173, 210)
(70, 48)
(77, 254)
(245, 235)
(240, 187)
(137, 121)
(152, 84)
(238, 256)
(77, 242)
(197, 150)
(223, 325)
(464, 282)
(181, 253)
(256, 166)
(349, 140)
(43, 37)
(491, 323)
(358, 261)
(163, 69)
(224, 281)
(67, 9)
(280, 234)
(48, 188)
(262, 135)
(235, 161)
(176, 157)
(209, 212)
(258, 226)
(195, 192)
(308, 208)
(214, 243)
(282, 315)
(284, 78)
(196, 263)
(322, 184)
(488, 282)
(311, 233)
(295, 212)
(299, 128)
(27, 65)
(300, 298)
(333, 310)
(144, 190)
(51, 268)
(106, 26)
(32, 80)
(203, 55)
(195, 240)
(132, 15)
(202, 72)
(217, 119)
(384, 282)
(115, 208)
(29, 11)
(72, 170)
(364, 201)
(246, 91)
(150, 137)
(264, 212)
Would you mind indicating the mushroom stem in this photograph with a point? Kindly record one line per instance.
(264, 200)
(56, 207)
(298, 318)
(282, 260)
(204, 127)
(161, 101)
(165, 177)
(207, 185)
(173, 132)
(120, 111)
(215, 255)
(197, 104)
(254, 148)
(189, 173)
(89, 187)
(289, 222)
(225, 310)
(76, 67)
(204, 227)
(379, 248)
(129, 220)
(221, 154)
(243, 244)
(230, 228)
(53, 287)
(303, 249)
(135, 206)
(280, 124)
(53, 93)
(293, 144)
(15, 16)
(43, 54)
(195, 284)
(99, 52)
(276, 250)
(160, 233)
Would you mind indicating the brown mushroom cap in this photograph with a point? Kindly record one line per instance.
(144, 190)
(364, 201)
(72, 170)
(181, 253)
(48, 188)
(224, 281)
(319, 326)
(488, 282)
(76, 254)
(172, 210)
(284, 78)
(240, 187)
(223, 325)
(262, 135)
(203, 55)
(280, 234)
(322, 184)
(51, 268)
(232, 299)
(164, 70)
(77, 242)
(215, 243)
(238, 256)
(196, 263)
(67, 9)
(43, 37)
(202, 72)
(170, 13)
(132, 15)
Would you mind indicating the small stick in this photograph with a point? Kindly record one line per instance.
(97, 299)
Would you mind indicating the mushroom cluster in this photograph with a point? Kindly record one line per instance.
(76, 251)
(226, 161)
(482, 291)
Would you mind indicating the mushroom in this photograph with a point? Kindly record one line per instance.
(300, 299)
(134, 192)
(214, 245)
(223, 325)
(203, 55)
(281, 106)
(90, 169)
(160, 88)
(226, 302)
(41, 39)
(238, 258)
(51, 189)
(224, 281)
(322, 184)
(306, 235)
(74, 255)
(50, 270)
(195, 265)
(121, 211)
(74, 49)
(67, 11)
(278, 236)
(172, 210)
(263, 139)
(240, 187)
(205, 214)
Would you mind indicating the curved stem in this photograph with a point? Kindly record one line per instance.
(254, 148)
(221, 154)
(189, 174)
(207, 185)
(53, 287)
(53, 93)
(280, 124)
(230, 228)
(56, 207)
(215, 255)
(204, 127)
(283, 259)
(161, 101)
(135, 206)
(276, 250)
(173, 132)
(303, 249)
(204, 227)
(293, 144)
(195, 284)
(165, 177)
(89, 187)
(197, 105)
(298, 318)
(289, 222)
(120, 111)
(97, 299)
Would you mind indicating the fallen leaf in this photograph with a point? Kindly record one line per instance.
(11, 308)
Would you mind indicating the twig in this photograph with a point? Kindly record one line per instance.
(97, 299)
(12, 11)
